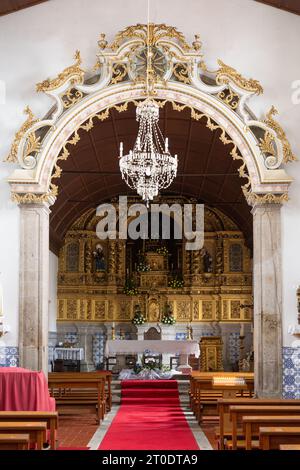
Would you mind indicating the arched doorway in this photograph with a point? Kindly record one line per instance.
(217, 98)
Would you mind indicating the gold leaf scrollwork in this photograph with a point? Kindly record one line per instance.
(71, 97)
(30, 121)
(119, 72)
(288, 155)
(226, 73)
(181, 72)
(33, 198)
(33, 144)
(229, 97)
(156, 33)
(266, 144)
(268, 198)
(73, 70)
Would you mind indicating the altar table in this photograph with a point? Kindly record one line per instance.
(154, 346)
(183, 348)
(24, 390)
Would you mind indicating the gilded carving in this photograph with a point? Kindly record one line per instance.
(207, 310)
(288, 155)
(73, 71)
(227, 73)
(100, 310)
(183, 310)
(235, 309)
(30, 121)
(155, 33)
(71, 97)
(229, 97)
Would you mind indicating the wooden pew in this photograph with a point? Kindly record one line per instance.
(225, 427)
(49, 417)
(66, 390)
(36, 430)
(237, 413)
(271, 438)
(198, 375)
(206, 395)
(252, 424)
(106, 375)
(289, 447)
(14, 442)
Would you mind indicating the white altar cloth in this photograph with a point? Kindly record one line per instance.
(132, 346)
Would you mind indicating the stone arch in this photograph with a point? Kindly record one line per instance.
(221, 98)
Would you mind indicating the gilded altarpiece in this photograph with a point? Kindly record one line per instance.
(215, 282)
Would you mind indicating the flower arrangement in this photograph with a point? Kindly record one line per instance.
(176, 283)
(139, 318)
(143, 266)
(130, 288)
(167, 318)
(162, 250)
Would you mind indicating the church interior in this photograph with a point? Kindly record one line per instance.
(149, 207)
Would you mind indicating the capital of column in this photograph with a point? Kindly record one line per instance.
(266, 201)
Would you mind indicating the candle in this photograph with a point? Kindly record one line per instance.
(242, 330)
(113, 324)
(121, 149)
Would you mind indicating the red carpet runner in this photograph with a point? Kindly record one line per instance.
(150, 418)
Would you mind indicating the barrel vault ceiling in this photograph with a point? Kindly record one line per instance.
(91, 174)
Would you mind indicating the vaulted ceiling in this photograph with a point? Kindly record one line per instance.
(91, 174)
(10, 6)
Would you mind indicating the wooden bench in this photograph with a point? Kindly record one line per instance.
(224, 429)
(106, 375)
(36, 430)
(76, 388)
(14, 441)
(206, 395)
(49, 417)
(271, 438)
(289, 447)
(252, 424)
(238, 412)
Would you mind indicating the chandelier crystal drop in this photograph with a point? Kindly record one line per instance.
(149, 167)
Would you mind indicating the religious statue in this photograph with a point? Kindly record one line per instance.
(99, 258)
(207, 260)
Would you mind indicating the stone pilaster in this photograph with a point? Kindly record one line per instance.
(267, 300)
(34, 286)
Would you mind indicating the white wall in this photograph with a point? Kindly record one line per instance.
(260, 41)
(53, 269)
(9, 258)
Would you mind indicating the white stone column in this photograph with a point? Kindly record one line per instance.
(34, 286)
(267, 292)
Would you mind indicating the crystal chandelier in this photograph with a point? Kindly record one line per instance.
(149, 167)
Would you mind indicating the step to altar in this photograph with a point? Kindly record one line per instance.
(183, 388)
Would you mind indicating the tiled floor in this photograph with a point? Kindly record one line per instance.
(77, 429)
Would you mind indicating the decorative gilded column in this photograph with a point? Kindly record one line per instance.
(267, 299)
(34, 286)
(112, 262)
